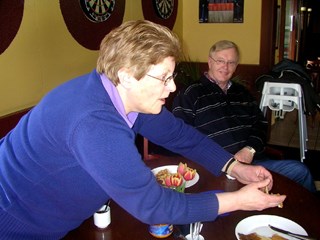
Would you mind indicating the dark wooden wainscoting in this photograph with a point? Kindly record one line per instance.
(9, 121)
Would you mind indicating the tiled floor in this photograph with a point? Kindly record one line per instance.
(285, 136)
(285, 132)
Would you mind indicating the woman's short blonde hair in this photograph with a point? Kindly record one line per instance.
(222, 45)
(136, 45)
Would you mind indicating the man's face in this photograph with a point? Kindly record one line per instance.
(222, 64)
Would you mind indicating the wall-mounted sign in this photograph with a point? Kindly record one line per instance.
(221, 11)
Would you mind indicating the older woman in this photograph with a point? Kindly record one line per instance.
(76, 148)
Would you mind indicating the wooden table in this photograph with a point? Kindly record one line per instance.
(300, 206)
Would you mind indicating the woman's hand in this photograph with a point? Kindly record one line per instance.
(249, 198)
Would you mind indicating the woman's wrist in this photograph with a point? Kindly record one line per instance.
(229, 166)
(228, 202)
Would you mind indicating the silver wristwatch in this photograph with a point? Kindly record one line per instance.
(251, 149)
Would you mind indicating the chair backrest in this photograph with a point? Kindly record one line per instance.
(278, 88)
(281, 96)
(147, 154)
(311, 99)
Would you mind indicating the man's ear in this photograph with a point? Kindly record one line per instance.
(125, 78)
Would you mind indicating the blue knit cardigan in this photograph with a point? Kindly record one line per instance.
(73, 151)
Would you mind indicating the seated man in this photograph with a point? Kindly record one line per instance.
(227, 113)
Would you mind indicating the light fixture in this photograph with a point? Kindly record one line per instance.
(303, 9)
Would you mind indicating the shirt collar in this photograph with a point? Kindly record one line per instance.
(215, 82)
(113, 93)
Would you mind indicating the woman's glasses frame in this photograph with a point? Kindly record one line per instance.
(165, 80)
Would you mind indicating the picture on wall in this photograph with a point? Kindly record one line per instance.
(221, 11)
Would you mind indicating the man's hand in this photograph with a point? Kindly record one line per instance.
(244, 155)
(246, 174)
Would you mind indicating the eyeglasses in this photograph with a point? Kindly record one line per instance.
(165, 80)
(220, 62)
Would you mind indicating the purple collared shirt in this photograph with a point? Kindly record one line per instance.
(117, 101)
(214, 81)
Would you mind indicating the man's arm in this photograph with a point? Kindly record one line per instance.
(258, 133)
(182, 107)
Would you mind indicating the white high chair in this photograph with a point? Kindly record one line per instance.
(286, 97)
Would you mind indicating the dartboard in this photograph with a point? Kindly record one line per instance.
(164, 11)
(164, 8)
(89, 21)
(97, 10)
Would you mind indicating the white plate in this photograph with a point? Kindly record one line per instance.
(259, 224)
(173, 169)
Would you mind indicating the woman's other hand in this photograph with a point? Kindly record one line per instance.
(249, 198)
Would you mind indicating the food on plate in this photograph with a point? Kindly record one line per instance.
(255, 236)
(187, 172)
(266, 190)
(183, 173)
(168, 179)
(161, 176)
(278, 237)
(171, 180)
(174, 180)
